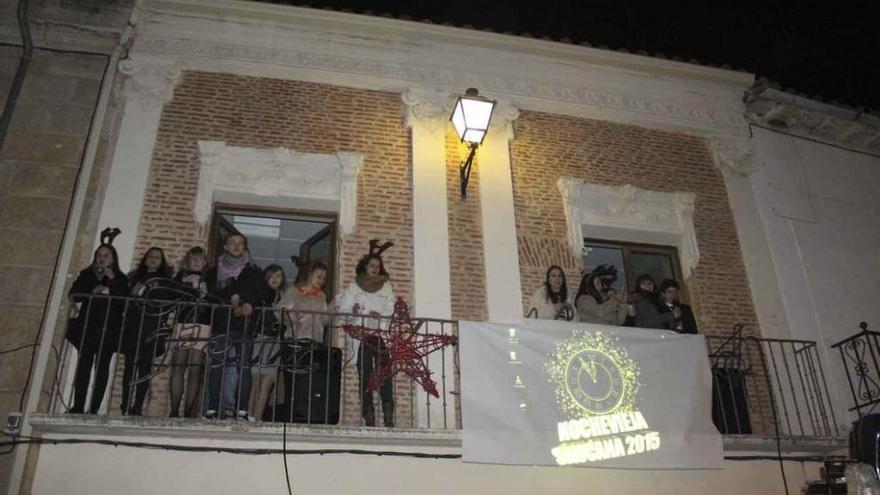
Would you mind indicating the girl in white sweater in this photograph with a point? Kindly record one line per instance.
(371, 294)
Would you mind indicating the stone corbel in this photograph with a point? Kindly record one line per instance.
(150, 83)
(570, 190)
(350, 166)
(732, 154)
(429, 109)
(501, 126)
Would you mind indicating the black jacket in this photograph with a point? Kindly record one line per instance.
(146, 319)
(99, 321)
(194, 309)
(250, 287)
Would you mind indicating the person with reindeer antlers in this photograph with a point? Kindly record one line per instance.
(371, 294)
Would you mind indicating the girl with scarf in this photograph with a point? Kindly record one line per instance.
(190, 334)
(552, 300)
(144, 324)
(96, 328)
(240, 286)
(371, 294)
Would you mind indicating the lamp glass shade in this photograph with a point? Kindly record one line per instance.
(471, 118)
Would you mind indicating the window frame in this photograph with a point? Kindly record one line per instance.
(627, 249)
(331, 218)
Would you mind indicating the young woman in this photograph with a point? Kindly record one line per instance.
(190, 335)
(371, 294)
(144, 327)
(266, 344)
(553, 300)
(597, 302)
(650, 313)
(96, 328)
(239, 285)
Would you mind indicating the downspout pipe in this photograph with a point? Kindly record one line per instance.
(65, 256)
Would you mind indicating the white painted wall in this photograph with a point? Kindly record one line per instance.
(94, 470)
(818, 206)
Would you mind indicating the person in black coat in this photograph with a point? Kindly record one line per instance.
(240, 285)
(95, 330)
(145, 327)
(683, 316)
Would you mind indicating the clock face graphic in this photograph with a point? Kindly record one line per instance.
(594, 381)
(594, 375)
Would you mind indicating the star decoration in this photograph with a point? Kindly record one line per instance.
(405, 348)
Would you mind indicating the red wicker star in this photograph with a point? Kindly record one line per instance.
(404, 347)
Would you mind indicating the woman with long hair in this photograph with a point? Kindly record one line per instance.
(265, 359)
(597, 301)
(96, 328)
(190, 335)
(371, 294)
(552, 300)
(144, 325)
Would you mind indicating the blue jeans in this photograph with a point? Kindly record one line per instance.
(228, 375)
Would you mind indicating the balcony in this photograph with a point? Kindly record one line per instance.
(764, 390)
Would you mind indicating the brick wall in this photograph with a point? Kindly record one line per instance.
(312, 118)
(550, 146)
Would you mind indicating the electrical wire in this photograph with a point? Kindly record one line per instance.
(284, 458)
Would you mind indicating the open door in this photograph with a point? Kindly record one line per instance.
(321, 247)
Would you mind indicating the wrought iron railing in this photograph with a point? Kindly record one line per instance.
(860, 355)
(185, 358)
(764, 386)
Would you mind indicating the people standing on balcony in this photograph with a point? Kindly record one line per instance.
(553, 300)
(190, 334)
(371, 294)
(650, 312)
(268, 331)
(145, 327)
(239, 284)
(683, 316)
(598, 302)
(96, 326)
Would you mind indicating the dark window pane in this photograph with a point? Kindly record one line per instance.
(657, 265)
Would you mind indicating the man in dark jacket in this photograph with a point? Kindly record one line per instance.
(684, 317)
(240, 285)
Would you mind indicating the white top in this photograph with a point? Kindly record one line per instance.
(382, 302)
(544, 308)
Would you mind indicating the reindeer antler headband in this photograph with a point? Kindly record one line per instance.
(377, 249)
(108, 234)
(297, 262)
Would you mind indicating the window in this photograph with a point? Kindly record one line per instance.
(632, 260)
(274, 236)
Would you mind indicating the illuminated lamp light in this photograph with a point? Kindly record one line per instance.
(471, 118)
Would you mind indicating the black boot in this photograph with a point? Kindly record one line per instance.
(369, 416)
(388, 413)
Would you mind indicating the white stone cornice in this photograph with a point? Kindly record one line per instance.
(627, 213)
(278, 173)
(150, 82)
(255, 39)
(732, 154)
(814, 120)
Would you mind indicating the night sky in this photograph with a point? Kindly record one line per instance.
(830, 51)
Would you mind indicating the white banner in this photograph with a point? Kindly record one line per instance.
(542, 392)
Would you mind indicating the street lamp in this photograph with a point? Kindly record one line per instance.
(471, 118)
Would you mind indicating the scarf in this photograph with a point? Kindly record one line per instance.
(369, 284)
(229, 267)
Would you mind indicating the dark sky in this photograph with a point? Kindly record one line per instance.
(831, 50)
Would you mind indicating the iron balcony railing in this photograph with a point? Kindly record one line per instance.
(860, 355)
(763, 386)
(184, 358)
(178, 358)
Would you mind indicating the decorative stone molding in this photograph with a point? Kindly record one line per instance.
(631, 214)
(502, 120)
(374, 53)
(278, 172)
(733, 155)
(428, 108)
(150, 83)
(812, 119)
